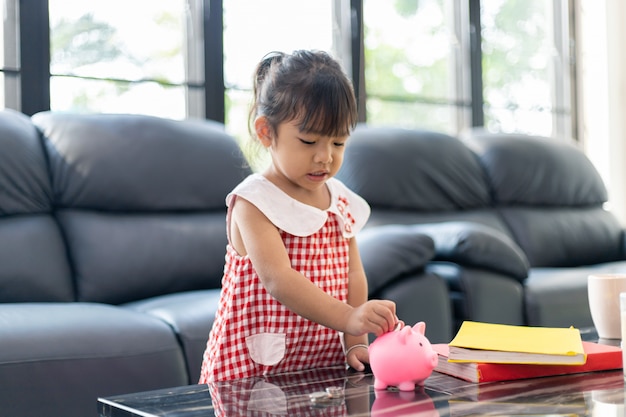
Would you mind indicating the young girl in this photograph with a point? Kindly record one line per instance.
(294, 294)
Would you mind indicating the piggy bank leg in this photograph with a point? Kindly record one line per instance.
(406, 386)
(378, 384)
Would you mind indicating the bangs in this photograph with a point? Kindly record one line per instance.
(327, 108)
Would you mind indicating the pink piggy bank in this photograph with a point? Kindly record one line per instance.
(402, 358)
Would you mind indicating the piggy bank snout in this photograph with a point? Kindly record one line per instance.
(434, 359)
(429, 358)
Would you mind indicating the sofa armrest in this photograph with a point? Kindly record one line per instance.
(476, 245)
(390, 251)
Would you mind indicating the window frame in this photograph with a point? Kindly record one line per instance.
(34, 67)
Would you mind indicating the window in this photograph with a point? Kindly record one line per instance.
(439, 64)
(135, 61)
(420, 65)
(414, 64)
(526, 75)
(252, 29)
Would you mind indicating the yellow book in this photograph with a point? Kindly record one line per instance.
(502, 343)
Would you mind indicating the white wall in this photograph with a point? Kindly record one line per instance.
(601, 61)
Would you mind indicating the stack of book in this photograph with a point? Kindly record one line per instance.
(487, 352)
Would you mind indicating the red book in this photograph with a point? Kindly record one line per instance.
(599, 358)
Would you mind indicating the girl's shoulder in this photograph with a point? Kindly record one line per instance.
(252, 187)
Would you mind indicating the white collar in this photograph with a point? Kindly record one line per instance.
(297, 218)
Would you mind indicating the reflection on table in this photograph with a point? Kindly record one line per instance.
(337, 392)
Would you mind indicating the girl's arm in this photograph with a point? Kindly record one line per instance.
(253, 234)
(357, 295)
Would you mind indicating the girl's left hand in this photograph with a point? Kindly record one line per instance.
(358, 357)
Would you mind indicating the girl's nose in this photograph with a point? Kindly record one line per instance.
(324, 155)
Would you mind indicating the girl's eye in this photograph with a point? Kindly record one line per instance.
(339, 144)
(307, 142)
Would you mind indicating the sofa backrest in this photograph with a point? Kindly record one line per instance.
(33, 259)
(141, 201)
(412, 176)
(551, 197)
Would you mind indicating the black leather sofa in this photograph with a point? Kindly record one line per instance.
(518, 221)
(112, 243)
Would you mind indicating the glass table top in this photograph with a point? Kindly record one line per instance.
(338, 392)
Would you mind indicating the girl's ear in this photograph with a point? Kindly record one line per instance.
(263, 131)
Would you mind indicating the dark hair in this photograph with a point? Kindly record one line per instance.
(307, 86)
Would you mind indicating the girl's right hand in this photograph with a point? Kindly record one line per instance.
(374, 316)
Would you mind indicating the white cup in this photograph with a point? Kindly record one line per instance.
(622, 306)
(604, 303)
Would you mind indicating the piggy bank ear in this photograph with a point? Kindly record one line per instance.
(420, 327)
(404, 334)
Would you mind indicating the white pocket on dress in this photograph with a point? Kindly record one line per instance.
(266, 348)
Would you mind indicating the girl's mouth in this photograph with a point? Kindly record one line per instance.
(317, 176)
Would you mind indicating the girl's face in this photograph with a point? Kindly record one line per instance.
(302, 160)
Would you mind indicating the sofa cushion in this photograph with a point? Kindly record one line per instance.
(403, 169)
(24, 183)
(486, 217)
(476, 245)
(33, 259)
(120, 257)
(482, 295)
(191, 315)
(391, 251)
(422, 296)
(139, 163)
(551, 197)
(537, 171)
(141, 200)
(72, 353)
(558, 296)
(566, 236)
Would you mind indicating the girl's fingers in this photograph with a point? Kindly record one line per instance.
(386, 319)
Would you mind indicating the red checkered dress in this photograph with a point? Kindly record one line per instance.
(253, 334)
